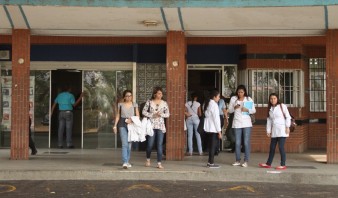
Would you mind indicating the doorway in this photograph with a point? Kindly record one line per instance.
(59, 79)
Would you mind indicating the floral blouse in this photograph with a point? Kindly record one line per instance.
(158, 122)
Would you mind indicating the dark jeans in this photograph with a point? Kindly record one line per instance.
(213, 140)
(31, 142)
(273, 144)
(158, 135)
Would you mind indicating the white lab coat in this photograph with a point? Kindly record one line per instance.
(212, 121)
(240, 120)
(276, 123)
(136, 132)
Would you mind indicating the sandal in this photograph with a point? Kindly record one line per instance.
(147, 163)
(264, 165)
(159, 165)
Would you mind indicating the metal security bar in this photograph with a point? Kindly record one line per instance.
(288, 84)
(317, 72)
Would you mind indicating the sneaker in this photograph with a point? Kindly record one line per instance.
(208, 164)
(245, 164)
(129, 165)
(34, 152)
(213, 166)
(237, 163)
(201, 154)
(125, 166)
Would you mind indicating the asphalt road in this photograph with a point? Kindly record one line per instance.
(161, 189)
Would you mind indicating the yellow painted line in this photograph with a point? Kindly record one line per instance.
(238, 188)
(6, 188)
(143, 186)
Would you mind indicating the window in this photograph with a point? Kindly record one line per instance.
(288, 84)
(317, 71)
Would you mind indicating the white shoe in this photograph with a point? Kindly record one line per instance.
(125, 166)
(129, 165)
(236, 164)
(245, 164)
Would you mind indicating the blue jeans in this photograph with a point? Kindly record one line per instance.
(126, 146)
(273, 144)
(246, 132)
(192, 125)
(65, 120)
(151, 139)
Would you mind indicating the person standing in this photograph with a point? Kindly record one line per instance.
(277, 128)
(125, 110)
(212, 126)
(66, 102)
(224, 118)
(156, 110)
(241, 123)
(193, 112)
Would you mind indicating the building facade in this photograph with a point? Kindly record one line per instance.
(188, 46)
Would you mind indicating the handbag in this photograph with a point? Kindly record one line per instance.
(200, 127)
(293, 121)
(253, 118)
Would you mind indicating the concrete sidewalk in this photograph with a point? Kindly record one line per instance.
(105, 164)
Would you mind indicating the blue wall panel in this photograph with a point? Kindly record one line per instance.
(213, 54)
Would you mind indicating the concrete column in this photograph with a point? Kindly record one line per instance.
(332, 95)
(20, 94)
(176, 91)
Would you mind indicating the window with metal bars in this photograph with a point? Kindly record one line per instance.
(288, 84)
(317, 72)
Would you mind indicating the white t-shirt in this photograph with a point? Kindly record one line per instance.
(192, 108)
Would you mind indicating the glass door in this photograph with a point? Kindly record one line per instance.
(103, 89)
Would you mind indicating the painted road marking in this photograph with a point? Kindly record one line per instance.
(143, 186)
(6, 188)
(238, 188)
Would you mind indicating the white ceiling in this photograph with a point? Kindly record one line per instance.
(195, 22)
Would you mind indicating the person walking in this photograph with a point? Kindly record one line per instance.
(212, 126)
(66, 102)
(156, 110)
(277, 128)
(125, 110)
(193, 112)
(242, 123)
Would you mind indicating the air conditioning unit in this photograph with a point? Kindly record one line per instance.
(4, 54)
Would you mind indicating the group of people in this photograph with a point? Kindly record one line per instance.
(241, 106)
(214, 111)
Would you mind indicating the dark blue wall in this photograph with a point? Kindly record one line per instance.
(213, 54)
(196, 54)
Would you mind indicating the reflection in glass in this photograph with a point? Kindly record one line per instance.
(102, 90)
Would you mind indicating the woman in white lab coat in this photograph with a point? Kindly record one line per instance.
(212, 126)
(277, 127)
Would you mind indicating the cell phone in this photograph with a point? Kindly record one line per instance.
(238, 105)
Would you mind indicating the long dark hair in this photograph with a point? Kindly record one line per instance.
(269, 103)
(155, 90)
(192, 97)
(243, 88)
(213, 94)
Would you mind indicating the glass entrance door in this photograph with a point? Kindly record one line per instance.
(103, 89)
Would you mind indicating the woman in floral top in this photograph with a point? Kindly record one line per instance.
(156, 110)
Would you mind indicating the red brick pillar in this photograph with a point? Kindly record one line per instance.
(176, 91)
(332, 95)
(20, 93)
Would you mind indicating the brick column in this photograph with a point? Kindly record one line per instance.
(332, 95)
(20, 93)
(176, 91)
